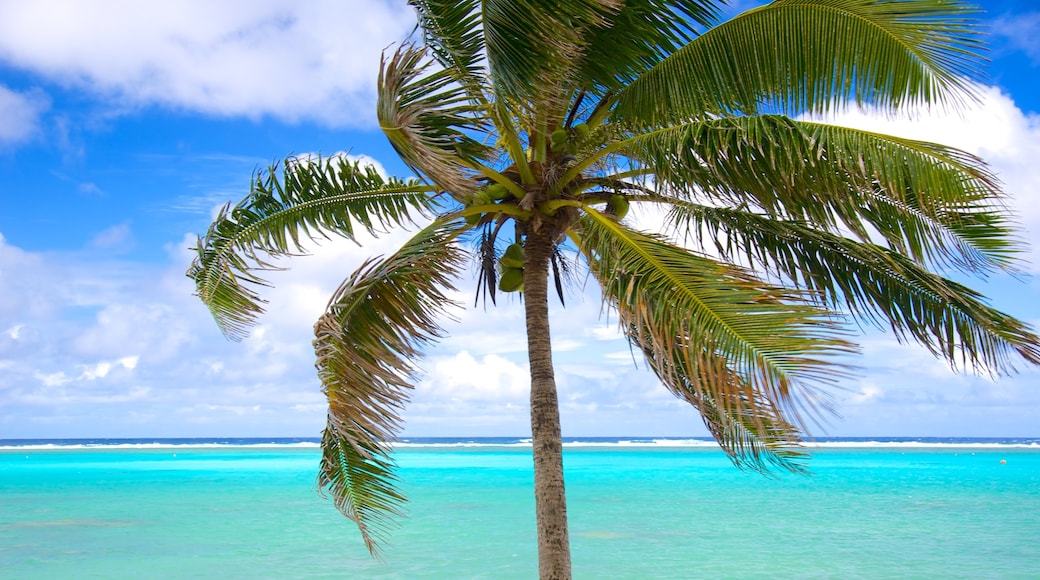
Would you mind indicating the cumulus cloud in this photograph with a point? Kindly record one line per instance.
(20, 114)
(137, 349)
(464, 378)
(127, 351)
(293, 61)
(92, 372)
(83, 338)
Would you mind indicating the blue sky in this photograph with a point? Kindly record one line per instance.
(124, 125)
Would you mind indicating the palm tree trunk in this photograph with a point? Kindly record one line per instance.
(554, 553)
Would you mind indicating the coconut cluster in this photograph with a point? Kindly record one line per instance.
(511, 268)
(493, 193)
(567, 140)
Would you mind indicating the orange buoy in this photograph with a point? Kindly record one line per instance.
(1003, 461)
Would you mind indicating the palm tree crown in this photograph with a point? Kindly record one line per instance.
(532, 125)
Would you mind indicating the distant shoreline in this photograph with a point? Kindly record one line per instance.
(464, 442)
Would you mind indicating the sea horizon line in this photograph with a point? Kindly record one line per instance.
(504, 441)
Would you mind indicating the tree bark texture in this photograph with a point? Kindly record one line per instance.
(554, 555)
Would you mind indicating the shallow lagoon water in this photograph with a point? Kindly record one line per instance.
(637, 511)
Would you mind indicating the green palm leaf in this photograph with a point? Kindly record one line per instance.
(813, 55)
(429, 118)
(638, 36)
(376, 326)
(873, 282)
(753, 432)
(931, 202)
(712, 332)
(453, 31)
(534, 46)
(313, 199)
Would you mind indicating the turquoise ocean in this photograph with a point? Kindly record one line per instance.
(639, 508)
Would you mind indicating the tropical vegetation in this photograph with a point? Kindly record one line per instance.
(532, 126)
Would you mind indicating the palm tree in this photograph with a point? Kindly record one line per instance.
(532, 125)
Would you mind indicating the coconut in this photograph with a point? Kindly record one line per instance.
(513, 257)
(581, 130)
(512, 280)
(558, 136)
(497, 191)
(618, 205)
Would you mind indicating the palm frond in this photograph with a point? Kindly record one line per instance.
(872, 282)
(797, 56)
(428, 117)
(933, 203)
(375, 327)
(364, 484)
(312, 199)
(756, 437)
(711, 326)
(453, 31)
(560, 272)
(752, 431)
(487, 277)
(534, 46)
(637, 37)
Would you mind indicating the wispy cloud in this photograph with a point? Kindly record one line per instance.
(21, 114)
(119, 238)
(1021, 32)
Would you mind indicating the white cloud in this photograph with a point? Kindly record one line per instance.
(19, 289)
(464, 378)
(123, 317)
(868, 392)
(138, 355)
(101, 369)
(127, 351)
(117, 237)
(604, 332)
(89, 188)
(20, 115)
(289, 60)
(119, 327)
(53, 379)
(1022, 32)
